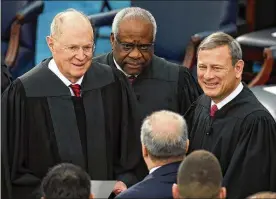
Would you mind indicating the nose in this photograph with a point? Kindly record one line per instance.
(135, 53)
(80, 54)
(208, 74)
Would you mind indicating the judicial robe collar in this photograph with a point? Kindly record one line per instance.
(41, 81)
(242, 100)
(158, 69)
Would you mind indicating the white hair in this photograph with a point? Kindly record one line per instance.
(165, 134)
(131, 13)
(55, 29)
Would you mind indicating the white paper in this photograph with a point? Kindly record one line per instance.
(271, 89)
(102, 189)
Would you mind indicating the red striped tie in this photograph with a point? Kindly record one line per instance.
(76, 89)
(213, 110)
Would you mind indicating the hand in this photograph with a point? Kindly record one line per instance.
(119, 187)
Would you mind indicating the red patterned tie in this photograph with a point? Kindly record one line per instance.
(76, 89)
(213, 110)
(131, 78)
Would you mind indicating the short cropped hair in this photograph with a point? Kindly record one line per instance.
(57, 22)
(66, 181)
(133, 13)
(199, 176)
(222, 39)
(164, 134)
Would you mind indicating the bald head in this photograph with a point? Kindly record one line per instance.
(164, 135)
(199, 176)
(72, 20)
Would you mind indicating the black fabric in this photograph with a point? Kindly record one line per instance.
(30, 145)
(242, 135)
(6, 77)
(163, 85)
(158, 184)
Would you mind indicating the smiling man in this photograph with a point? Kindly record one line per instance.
(68, 109)
(229, 121)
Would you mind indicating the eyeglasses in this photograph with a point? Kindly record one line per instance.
(74, 49)
(128, 47)
(89, 49)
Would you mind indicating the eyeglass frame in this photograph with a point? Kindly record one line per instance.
(133, 46)
(77, 48)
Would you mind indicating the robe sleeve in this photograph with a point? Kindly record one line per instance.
(130, 149)
(188, 90)
(13, 138)
(253, 165)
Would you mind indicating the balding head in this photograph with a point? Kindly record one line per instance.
(263, 195)
(70, 18)
(199, 176)
(164, 135)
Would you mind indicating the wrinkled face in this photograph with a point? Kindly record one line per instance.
(216, 74)
(73, 49)
(133, 46)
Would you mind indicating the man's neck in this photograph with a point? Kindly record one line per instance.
(160, 163)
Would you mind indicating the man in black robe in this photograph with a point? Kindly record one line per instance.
(157, 83)
(229, 121)
(68, 109)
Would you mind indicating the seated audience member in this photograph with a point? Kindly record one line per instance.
(263, 195)
(199, 176)
(164, 144)
(66, 181)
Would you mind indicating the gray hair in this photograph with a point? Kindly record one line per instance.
(133, 13)
(55, 29)
(221, 39)
(164, 134)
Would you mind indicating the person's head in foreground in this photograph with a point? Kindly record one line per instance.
(132, 39)
(66, 181)
(199, 176)
(219, 66)
(263, 195)
(164, 138)
(71, 43)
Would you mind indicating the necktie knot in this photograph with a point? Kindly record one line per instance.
(213, 110)
(76, 89)
(131, 78)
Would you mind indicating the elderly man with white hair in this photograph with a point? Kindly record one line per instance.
(164, 145)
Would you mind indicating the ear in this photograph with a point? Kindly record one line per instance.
(175, 191)
(91, 196)
(144, 151)
(50, 42)
(222, 193)
(112, 40)
(187, 145)
(239, 68)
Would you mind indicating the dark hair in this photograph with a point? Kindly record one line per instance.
(66, 181)
(199, 176)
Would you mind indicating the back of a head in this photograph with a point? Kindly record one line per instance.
(199, 176)
(263, 195)
(66, 181)
(164, 134)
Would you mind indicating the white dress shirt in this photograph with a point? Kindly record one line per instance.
(53, 67)
(153, 169)
(229, 97)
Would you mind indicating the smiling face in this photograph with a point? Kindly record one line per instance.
(72, 49)
(216, 74)
(133, 32)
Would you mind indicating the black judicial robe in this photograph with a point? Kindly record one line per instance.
(162, 85)
(43, 125)
(242, 135)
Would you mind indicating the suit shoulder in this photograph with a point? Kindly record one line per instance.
(101, 58)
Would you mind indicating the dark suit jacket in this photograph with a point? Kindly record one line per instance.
(158, 184)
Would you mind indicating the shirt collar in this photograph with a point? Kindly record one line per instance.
(119, 68)
(229, 97)
(53, 67)
(153, 169)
